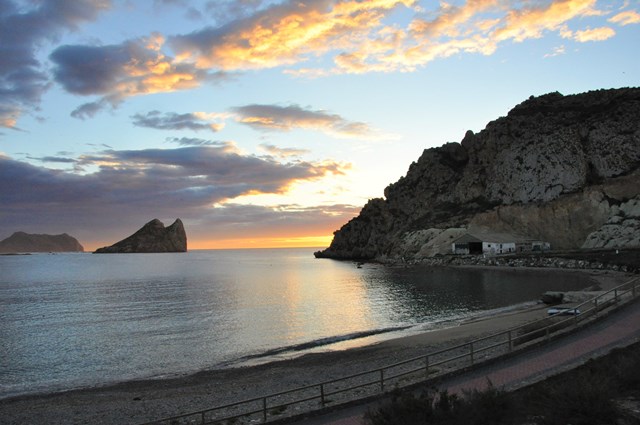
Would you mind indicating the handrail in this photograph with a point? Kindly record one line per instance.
(427, 367)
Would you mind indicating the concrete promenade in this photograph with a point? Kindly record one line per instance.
(619, 329)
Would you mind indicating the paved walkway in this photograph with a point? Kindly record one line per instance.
(619, 329)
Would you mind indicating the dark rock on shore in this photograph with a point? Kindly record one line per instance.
(152, 237)
(25, 242)
(562, 169)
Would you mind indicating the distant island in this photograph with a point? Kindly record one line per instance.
(153, 237)
(21, 242)
(558, 172)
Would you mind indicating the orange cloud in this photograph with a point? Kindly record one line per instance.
(285, 34)
(477, 26)
(596, 34)
(532, 22)
(9, 119)
(354, 33)
(626, 18)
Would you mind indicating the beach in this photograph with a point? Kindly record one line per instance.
(141, 401)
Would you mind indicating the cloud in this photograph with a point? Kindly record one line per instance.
(557, 51)
(191, 141)
(234, 221)
(286, 118)
(626, 18)
(282, 152)
(23, 29)
(230, 10)
(190, 12)
(89, 110)
(195, 121)
(257, 34)
(54, 159)
(115, 72)
(596, 34)
(474, 27)
(137, 185)
(284, 34)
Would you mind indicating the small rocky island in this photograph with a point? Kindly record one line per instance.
(25, 242)
(153, 237)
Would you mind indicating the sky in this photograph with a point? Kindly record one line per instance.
(266, 123)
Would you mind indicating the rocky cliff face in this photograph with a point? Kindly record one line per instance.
(25, 242)
(565, 169)
(152, 237)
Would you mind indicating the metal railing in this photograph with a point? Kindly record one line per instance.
(418, 369)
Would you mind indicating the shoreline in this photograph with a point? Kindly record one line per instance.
(151, 399)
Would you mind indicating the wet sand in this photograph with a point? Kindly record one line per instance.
(140, 401)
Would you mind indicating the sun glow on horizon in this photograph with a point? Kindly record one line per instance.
(267, 242)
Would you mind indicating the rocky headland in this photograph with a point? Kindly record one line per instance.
(152, 237)
(562, 169)
(21, 242)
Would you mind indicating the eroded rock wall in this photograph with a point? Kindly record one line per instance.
(553, 168)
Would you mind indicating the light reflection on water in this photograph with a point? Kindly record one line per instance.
(71, 320)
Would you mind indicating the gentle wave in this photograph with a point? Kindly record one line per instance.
(323, 342)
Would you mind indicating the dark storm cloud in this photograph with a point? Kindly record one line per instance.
(175, 121)
(24, 26)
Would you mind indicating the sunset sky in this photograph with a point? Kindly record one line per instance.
(266, 123)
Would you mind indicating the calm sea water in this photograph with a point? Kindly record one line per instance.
(77, 320)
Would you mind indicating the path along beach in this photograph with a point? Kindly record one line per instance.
(141, 401)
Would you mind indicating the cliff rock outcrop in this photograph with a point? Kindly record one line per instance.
(25, 242)
(152, 237)
(565, 169)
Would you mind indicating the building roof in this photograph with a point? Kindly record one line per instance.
(492, 238)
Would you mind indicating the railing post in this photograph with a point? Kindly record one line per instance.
(202, 418)
(322, 395)
(595, 303)
(471, 352)
(381, 380)
(510, 342)
(615, 295)
(264, 410)
(426, 367)
(547, 332)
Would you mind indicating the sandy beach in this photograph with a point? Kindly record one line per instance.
(141, 401)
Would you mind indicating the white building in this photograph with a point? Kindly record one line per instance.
(496, 243)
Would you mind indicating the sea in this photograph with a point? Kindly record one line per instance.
(80, 320)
